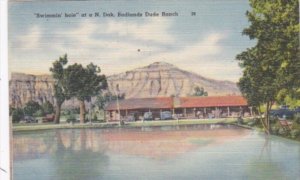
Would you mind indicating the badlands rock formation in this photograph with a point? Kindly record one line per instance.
(155, 80)
(164, 79)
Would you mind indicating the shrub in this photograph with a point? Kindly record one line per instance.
(65, 112)
(71, 118)
(295, 133)
(281, 131)
(17, 114)
(39, 113)
(253, 122)
(275, 130)
(95, 117)
(31, 107)
(273, 119)
(297, 118)
(47, 107)
(240, 120)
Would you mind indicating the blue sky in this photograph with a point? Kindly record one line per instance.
(205, 44)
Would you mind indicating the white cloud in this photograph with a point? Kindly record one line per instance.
(198, 52)
(203, 57)
(31, 39)
(154, 30)
(84, 44)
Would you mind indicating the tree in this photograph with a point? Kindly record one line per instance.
(199, 91)
(60, 92)
(103, 98)
(271, 67)
(31, 107)
(17, 114)
(84, 83)
(47, 107)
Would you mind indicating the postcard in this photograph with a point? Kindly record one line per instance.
(153, 89)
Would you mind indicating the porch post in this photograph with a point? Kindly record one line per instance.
(241, 111)
(184, 112)
(160, 111)
(228, 111)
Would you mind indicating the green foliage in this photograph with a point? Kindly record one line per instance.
(17, 114)
(103, 98)
(57, 69)
(290, 101)
(273, 119)
(295, 133)
(95, 117)
(271, 67)
(76, 81)
(253, 122)
(11, 109)
(60, 91)
(297, 118)
(84, 83)
(47, 107)
(39, 113)
(199, 91)
(275, 26)
(71, 118)
(31, 107)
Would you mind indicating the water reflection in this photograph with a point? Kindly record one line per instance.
(169, 141)
(174, 152)
(268, 164)
(68, 159)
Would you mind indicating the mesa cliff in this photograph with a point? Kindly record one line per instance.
(159, 79)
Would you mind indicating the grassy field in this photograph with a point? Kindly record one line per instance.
(44, 126)
(181, 122)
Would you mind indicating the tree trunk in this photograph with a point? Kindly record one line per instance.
(82, 111)
(57, 113)
(263, 121)
(269, 106)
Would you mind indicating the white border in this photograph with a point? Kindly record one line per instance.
(5, 153)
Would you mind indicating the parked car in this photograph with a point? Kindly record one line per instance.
(28, 119)
(165, 115)
(282, 112)
(48, 118)
(131, 117)
(297, 110)
(148, 116)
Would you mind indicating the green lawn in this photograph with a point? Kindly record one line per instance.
(181, 122)
(64, 125)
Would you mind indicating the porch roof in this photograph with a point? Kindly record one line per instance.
(183, 102)
(142, 103)
(212, 101)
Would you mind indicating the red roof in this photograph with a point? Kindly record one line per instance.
(212, 101)
(184, 102)
(142, 103)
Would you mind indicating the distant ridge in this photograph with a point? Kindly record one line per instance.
(161, 79)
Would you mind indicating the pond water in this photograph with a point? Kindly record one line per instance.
(184, 152)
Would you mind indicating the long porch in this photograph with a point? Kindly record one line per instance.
(180, 113)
